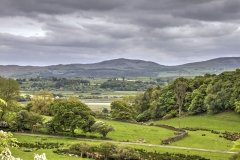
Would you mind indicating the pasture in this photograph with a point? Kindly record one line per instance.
(227, 121)
(127, 132)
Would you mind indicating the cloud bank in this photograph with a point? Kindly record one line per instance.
(168, 32)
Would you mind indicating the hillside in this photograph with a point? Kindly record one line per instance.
(123, 68)
(213, 66)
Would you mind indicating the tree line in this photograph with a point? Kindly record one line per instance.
(79, 84)
(123, 85)
(41, 83)
(185, 96)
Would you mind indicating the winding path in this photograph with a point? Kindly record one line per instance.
(133, 143)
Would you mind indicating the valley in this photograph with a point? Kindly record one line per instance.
(47, 110)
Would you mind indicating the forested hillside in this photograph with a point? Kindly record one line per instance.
(203, 94)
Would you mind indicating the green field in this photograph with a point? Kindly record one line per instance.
(126, 132)
(133, 132)
(222, 122)
(227, 121)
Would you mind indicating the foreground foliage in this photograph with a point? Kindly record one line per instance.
(6, 141)
(112, 151)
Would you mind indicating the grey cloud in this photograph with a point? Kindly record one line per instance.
(140, 29)
(54, 7)
(215, 31)
(232, 6)
(156, 10)
(62, 35)
(89, 4)
(212, 11)
(117, 32)
(167, 6)
(36, 52)
(161, 21)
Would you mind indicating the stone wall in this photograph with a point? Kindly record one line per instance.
(182, 133)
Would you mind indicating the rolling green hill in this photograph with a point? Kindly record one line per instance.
(123, 68)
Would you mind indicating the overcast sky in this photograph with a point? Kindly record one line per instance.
(169, 32)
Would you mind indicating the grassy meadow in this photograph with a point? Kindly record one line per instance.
(227, 121)
(127, 132)
(131, 132)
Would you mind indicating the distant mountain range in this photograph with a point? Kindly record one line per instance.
(123, 68)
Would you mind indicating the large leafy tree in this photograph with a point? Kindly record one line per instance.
(9, 92)
(68, 114)
(121, 110)
(41, 102)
